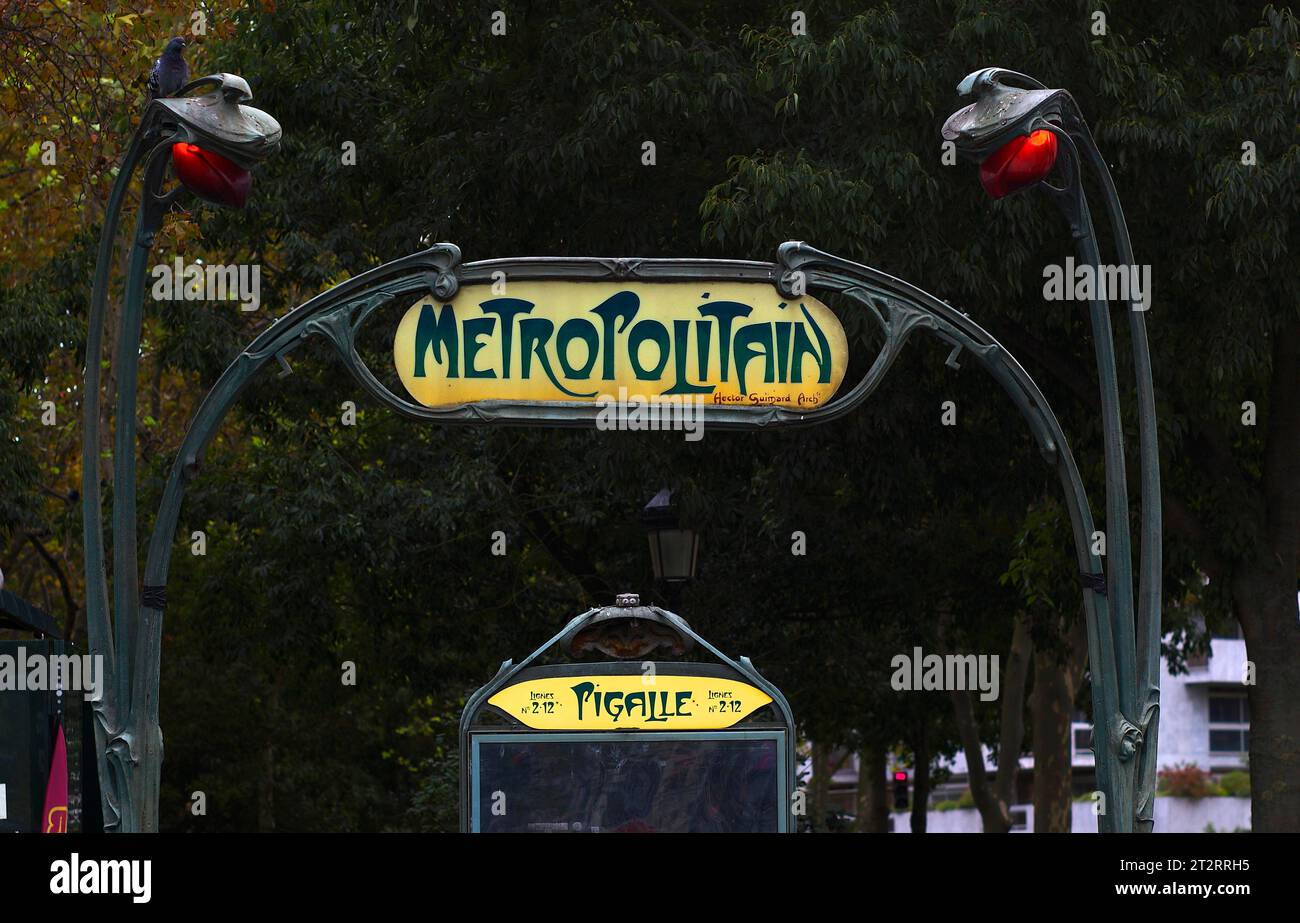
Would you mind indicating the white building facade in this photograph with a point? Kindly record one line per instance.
(1204, 722)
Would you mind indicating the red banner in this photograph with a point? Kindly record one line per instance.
(54, 819)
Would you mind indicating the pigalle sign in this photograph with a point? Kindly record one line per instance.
(725, 343)
(636, 702)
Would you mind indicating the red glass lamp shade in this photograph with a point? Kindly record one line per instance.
(210, 176)
(1019, 163)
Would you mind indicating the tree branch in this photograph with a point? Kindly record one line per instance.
(1180, 518)
(577, 564)
(677, 24)
(1012, 736)
(1058, 364)
(70, 625)
(992, 810)
(1282, 446)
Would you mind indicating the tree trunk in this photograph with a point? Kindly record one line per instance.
(821, 778)
(266, 774)
(921, 781)
(1264, 597)
(994, 813)
(994, 799)
(1056, 685)
(1011, 740)
(1266, 607)
(873, 790)
(266, 790)
(1052, 703)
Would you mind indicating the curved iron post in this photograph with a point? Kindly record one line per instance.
(958, 329)
(125, 591)
(1151, 563)
(1130, 743)
(1001, 112)
(111, 705)
(135, 746)
(898, 307)
(1073, 203)
(128, 748)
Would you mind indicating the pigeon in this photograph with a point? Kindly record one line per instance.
(170, 72)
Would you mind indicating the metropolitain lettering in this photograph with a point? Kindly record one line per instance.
(512, 340)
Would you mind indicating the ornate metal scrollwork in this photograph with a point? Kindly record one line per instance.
(897, 308)
(1128, 738)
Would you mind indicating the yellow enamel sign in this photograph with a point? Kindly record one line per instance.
(638, 702)
(724, 343)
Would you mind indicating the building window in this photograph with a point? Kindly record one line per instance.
(1083, 740)
(1229, 722)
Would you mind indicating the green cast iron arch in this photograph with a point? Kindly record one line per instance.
(898, 307)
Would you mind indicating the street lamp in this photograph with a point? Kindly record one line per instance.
(1020, 163)
(212, 141)
(210, 176)
(1020, 132)
(674, 551)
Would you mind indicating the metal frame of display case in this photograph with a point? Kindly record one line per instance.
(740, 669)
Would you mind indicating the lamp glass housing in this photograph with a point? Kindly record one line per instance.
(673, 554)
(1022, 162)
(210, 176)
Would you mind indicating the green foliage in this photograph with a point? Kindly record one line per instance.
(1186, 780)
(42, 319)
(1235, 784)
(961, 802)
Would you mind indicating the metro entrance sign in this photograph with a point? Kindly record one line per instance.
(726, 342)
(659, 702)
(556, 744)
(537, 340)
